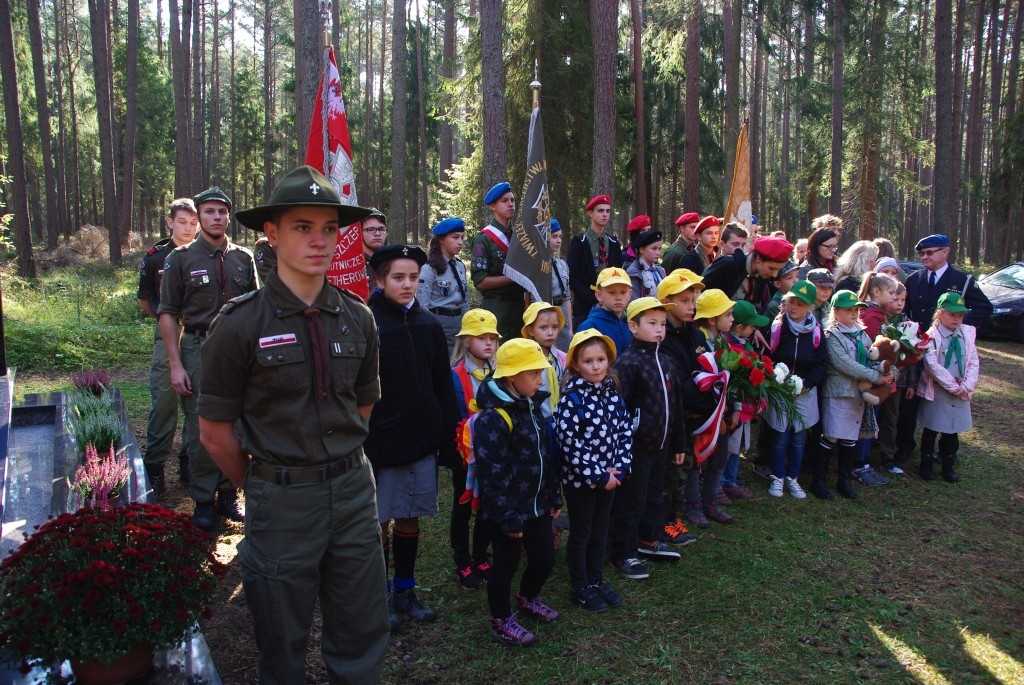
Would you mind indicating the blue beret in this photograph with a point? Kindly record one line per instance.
(449, 225)
(753, 219)
(495, 193)
(934, 240)
(555, 226)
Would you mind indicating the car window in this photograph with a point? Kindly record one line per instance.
(1008, 277)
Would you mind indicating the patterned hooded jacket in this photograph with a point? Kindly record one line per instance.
(594, 433)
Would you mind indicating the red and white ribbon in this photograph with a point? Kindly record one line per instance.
(711, 378)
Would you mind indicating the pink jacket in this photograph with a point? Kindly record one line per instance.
(935, 372)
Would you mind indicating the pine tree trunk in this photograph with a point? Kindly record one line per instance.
(731, 18)
(199, 96)
(835, 200)
(309, 57)
(639, 110)
(446, 133)
(43, 110)
(492, 85)
(181, 72)
(604, 46)
(268, 92)
(944, 219)
(63, 169)
(131, 82)
(399, 98)
(755, 116)
(996, 144)
(99, 23)
(691, 148)
(423, 218)
(18, 203)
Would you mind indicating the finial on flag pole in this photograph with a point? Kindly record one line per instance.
(325, 15)
(535, 84)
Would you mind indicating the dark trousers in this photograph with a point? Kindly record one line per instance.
(906, 424)
(458, 527)
(539, 545)
(589, 511)
(638, 509)
(949, 443)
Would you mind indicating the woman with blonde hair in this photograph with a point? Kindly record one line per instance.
(854, 263)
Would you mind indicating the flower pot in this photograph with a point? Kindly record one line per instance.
(133, 665)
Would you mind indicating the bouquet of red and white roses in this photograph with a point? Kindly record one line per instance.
(755, 381)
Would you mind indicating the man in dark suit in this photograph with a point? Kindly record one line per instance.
(923, 290)
(589, 253)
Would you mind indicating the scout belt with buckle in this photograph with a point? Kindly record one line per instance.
(286, 475)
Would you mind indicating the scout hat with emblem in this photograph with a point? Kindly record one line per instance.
(676, 283)
(303, 186)
(392, 252)
(803, 291)
(638, 224)
(555, 226)
(584, 336)
(478, 322)
(744, 313)
(952, 303)
(846, 299)
(643, 304)
(687, 218)
(214, 194)
(518, 355)
(706, 222)
(534, 310)
(712, 303)
(613, 275)
(773, 249)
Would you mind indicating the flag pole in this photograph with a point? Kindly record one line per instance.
(535, 84)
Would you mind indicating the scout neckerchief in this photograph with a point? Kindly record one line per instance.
(856, 336)
(458, 280)
(321, 362)
(956, 350)
(602, 253)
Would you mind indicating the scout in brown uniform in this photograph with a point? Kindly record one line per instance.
(198, 280)
(296, 372)
(163, 412)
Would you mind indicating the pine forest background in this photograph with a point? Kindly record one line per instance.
(903, 116)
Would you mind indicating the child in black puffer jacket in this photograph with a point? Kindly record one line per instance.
(518, 483)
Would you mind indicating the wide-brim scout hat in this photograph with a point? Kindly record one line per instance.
(803, 291)
(534, 310)
(952, 303)
(478, 322)
(845, 299)
(744, 313)
(643, 304)
(613, 275)
(712, 303)
(518, 355)
(584, 336)
(675, 283)
(303, 186)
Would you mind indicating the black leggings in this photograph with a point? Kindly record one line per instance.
(949, 443)
(539, 544)
(458, 527)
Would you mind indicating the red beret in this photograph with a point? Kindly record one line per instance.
(687, 218)
(598, 200)
(638, 223)
(707, 222)
(773, 249)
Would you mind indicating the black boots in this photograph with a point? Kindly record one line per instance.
(819, 488)
(847, 455)
(948, 474)
(230, 506)
(925, 471)
(155, 473)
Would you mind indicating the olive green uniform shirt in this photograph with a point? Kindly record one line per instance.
(258, 369)
(189, 288)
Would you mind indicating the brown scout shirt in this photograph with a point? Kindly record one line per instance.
(189, 286)
(258, 369)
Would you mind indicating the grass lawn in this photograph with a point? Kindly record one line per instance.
(913, 583)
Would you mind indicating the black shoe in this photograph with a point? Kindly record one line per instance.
(468, 578)
(205, 516)
(610, 596)
(588, 598)
(230, 506)
(406, 602)
(948, 474)
(657, 550)
(183, 467)
(925, 471)
(155, 473)
(820, 490)
(393, 618)
(845, 488)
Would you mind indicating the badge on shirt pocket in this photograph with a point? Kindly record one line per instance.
(347, 355)
(199, 277)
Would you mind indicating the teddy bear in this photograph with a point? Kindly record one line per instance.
(883, 355)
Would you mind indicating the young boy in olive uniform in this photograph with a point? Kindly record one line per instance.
(163, 412)
(199, 279)
(499, 294)
(294, 368)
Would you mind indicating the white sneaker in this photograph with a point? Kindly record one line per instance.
(794, 488)
(775, 489)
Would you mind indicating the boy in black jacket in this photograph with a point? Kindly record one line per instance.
(648, 382)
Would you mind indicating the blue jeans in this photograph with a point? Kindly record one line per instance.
(788, 443)
(731, 471)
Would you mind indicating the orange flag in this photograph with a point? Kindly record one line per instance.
(739, 208)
